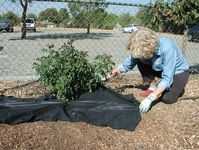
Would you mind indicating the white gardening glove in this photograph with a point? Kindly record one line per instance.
(145, 105)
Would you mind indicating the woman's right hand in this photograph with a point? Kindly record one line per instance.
(115, 72)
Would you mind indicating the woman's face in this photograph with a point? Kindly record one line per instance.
(147, 55)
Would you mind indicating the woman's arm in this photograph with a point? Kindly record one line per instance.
(127, 65)
(158, 92)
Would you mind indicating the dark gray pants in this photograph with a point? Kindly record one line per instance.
(176, 90)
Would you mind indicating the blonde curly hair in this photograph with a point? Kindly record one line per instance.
(143, 43)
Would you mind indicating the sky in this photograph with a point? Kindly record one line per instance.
(37, 7)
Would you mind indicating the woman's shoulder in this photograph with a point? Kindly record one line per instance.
(165, 45)
(164, 39)
(166, 42)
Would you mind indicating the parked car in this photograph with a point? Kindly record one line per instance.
(31, 24)
(6, 24)
(129, 29)
(193, 33)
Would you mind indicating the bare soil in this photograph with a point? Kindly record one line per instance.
(174, 127)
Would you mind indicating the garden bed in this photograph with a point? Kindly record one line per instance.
(173, 126)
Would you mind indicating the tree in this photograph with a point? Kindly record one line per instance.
(126, 19)
(83, 14)
(12, 16)
(32, 16)
(63, 17)
(141, 16)
(49, 14)
(173, 18)
(103, 20)
(109, 21)
(184, 13)
(24, 4)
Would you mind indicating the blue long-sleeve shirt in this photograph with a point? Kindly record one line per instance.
(168, 59)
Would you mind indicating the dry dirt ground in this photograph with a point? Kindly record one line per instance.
(167, 127)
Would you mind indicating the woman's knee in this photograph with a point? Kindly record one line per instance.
(169, 98)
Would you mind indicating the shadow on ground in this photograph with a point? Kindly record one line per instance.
(75, 36)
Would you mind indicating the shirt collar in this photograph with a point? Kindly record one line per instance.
(158, 48)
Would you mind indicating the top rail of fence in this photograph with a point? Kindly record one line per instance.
(100, 2)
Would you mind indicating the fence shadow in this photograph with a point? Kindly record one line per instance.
(76, 36)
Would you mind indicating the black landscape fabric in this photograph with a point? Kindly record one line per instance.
(102, 107)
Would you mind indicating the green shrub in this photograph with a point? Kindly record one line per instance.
(67, 73)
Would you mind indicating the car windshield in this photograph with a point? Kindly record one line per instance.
(29, 21)
(4, 21)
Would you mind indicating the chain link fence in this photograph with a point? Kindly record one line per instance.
(94, 28)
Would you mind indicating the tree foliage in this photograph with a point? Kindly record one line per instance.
(109, 21)
(126, 19)
(31, 15)
(12, 16)
(171, 18)
(49, 14)
(63, 17)
(103, 20)
(83, 14)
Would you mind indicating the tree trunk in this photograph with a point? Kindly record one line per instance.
(25, 7)
(88, 27)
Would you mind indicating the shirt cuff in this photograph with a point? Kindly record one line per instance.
(163, 84)
(122, 68)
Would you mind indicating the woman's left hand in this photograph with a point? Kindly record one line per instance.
(145, 105)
